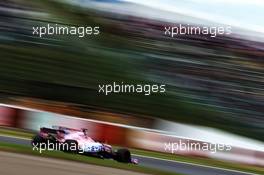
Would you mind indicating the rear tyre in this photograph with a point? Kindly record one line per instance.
(37, 140)
(70, 146)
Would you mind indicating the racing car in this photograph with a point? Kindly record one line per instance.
(77, 141)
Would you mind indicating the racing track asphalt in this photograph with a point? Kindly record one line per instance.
(162, 164)
(18, 164)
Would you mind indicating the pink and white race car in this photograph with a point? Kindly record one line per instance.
(78, 141)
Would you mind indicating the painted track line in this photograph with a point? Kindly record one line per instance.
(194, 164)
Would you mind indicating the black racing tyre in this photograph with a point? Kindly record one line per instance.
(70, 146)
(37, 140)
(123, 155)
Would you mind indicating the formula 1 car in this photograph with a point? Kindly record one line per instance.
(77, 141)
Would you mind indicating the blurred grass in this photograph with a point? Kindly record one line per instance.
(180, 158)
(16, 133)
(80, 158)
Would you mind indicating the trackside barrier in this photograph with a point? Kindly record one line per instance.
(8, 116)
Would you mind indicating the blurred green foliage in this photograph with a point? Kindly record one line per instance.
(69, 69)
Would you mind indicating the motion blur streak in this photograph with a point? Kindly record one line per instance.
(215, 82)
(214, 85)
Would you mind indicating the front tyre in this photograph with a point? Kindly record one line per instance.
(123, 155)
(38, 140)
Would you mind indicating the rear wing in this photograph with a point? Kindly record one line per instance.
(50, 130)
(65, 128)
